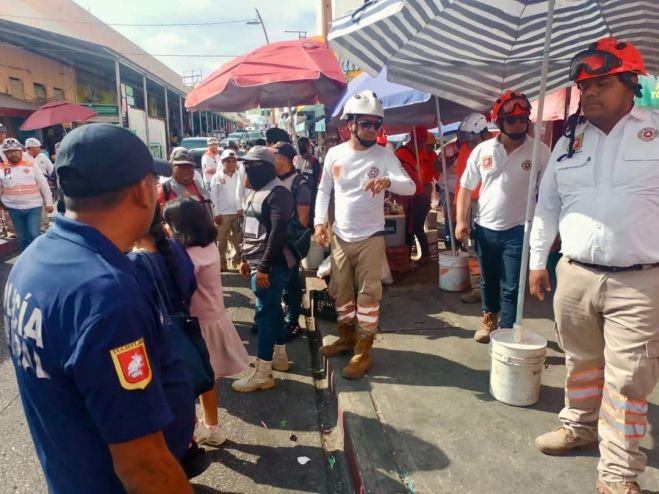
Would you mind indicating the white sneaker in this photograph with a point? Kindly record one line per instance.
(280, 359)
(260, 378)
(209, 435)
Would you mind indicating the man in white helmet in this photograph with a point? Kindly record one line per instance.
(210, 161)
(33, 147)
(23, 191)
(359, 172)
(471, 132)
(42, 161)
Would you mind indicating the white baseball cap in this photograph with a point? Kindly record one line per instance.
(228, 153)
(32, 142)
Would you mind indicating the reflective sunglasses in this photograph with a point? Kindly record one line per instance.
(594, 63)
(369, 124)
(520, 119)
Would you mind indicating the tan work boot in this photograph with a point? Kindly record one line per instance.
(280, 359)
(489, 323)
(362, 359)
(562, 440)
(260, 378)
(622, 487)
(345, 343)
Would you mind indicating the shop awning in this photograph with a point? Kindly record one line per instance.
(12, 107)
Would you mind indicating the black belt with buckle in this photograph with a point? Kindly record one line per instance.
(614, 269)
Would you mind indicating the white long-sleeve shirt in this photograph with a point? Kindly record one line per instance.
(210, 163)
(505, 181)
(358, 214)
(43, 162)
(23, 186)
(605, 199)
(226, 192)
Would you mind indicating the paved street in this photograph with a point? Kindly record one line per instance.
(423, 420)
(267, 431)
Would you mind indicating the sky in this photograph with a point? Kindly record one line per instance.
(234, 39)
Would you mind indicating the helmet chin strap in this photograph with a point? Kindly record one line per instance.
(363, 142)
(515, 136)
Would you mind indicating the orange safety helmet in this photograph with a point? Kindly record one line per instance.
(605, 57)
(518, 109)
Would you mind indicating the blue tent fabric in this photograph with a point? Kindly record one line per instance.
(403, 106)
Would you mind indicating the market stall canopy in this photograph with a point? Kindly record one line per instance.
(57, 112)
(300, 72)
(470, 51)
(403, 106)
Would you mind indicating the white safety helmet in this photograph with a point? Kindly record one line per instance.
(212, 140)
(473, 125)
(364, 103)
(32, 142)
(11, 144)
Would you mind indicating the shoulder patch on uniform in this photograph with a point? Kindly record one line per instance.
(486, 162)
(647, 134)
(337, 170)
(578, 142)
(131, 363)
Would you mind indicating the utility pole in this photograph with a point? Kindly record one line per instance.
(325, 17)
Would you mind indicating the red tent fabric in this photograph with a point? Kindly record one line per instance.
(555, 104)
(300, 72)
(57, 112)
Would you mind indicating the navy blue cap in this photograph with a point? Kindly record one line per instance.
(99, 158)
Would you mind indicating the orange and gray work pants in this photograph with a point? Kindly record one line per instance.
(608, 325)
(357, 268)
(229, 232)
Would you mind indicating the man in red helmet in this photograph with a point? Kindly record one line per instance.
(600, 192)
(501, 166)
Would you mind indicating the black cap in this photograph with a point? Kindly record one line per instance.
(99, 158)
(275, 134)
(259, 153)
(286, 150)
(181, 156)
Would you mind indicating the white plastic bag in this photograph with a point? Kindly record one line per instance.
(387, 278)
(325, 268)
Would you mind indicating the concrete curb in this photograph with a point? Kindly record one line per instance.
(369, 454)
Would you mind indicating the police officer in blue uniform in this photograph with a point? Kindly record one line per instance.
(107, 402)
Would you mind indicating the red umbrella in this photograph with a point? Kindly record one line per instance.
(57, 112)
(300, 72)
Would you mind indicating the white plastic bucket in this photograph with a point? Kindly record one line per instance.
(516, 367)
(314, 257)
(454, 272)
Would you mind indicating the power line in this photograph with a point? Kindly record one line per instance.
(190, 55)
(173, 24)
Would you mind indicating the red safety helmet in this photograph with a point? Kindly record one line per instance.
(605, 57)
(382, 139)
(523, 107)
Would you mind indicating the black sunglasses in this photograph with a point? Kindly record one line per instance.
(512, 120)
(369, 124)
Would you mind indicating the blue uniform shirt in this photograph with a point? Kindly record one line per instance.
(93, 363)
